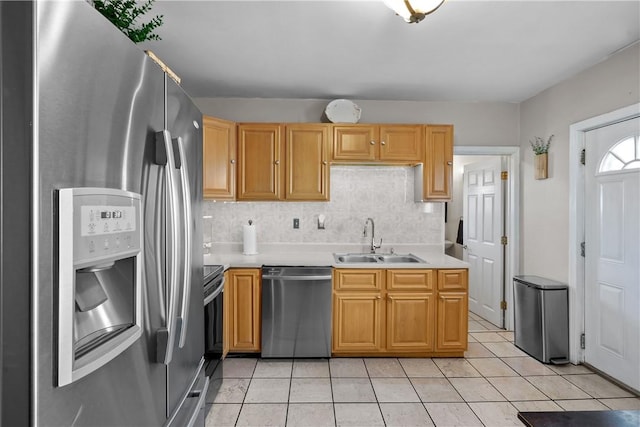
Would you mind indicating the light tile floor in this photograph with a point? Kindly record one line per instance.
(487, 387)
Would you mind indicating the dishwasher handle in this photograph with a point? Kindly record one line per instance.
(272, 277)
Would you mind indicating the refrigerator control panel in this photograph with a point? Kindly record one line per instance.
(100, 223)
(98, 220)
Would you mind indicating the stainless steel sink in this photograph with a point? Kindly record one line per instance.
(352, 258)
(377, 258)
(400, 258)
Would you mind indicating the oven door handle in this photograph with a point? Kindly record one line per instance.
(214, 294)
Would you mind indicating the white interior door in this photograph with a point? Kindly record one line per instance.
(612, 255)
(482, 231)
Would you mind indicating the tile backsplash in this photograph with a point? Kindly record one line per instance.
(384, 193)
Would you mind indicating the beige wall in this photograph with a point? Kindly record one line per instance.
(475, 123)
(612, 84)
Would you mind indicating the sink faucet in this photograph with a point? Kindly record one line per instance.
(373, 235)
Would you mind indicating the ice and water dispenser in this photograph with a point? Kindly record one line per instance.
(99, 278)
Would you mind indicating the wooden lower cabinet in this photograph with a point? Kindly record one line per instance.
(453, 310)
(243, 309)
(357, 322)
(410, 321)
(402, 312)
(452, 321)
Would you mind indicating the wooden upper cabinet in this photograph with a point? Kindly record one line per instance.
(386, 143)
(354, 142)
(307, 162)
(401, 142)
(438, 162)
(219, 157)
(260, 154)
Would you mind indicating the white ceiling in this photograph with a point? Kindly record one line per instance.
(468, 50)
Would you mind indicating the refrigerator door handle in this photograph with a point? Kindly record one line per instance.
(188, 237)
(165, 335)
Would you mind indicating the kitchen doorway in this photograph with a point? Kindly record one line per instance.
(484, 288)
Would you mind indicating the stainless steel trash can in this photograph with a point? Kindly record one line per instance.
(542, 318)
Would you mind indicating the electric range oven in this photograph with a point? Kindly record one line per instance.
(213, 308)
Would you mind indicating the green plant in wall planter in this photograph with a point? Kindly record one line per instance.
(124, 14)
(541, 150)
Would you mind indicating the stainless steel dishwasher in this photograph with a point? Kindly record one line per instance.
(296, 311)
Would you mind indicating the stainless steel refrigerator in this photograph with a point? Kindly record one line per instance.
(101, 317)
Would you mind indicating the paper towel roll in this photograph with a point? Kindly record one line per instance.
(249, 239)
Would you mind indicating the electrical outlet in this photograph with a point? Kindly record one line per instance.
(296, 223)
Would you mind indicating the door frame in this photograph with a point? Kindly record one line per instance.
(577, 136)
(512, 200)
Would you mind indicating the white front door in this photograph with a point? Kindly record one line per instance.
(612, 255)
(482, 232)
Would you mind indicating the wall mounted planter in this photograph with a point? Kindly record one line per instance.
(540, 163)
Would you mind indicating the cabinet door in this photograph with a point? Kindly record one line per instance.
(438, 166)
(452, 323)
(401, 143)
(219, 157)
(355, 143)
(244, 310)
(357, 322)
(259, 158)
(410, 321)
(307, 162)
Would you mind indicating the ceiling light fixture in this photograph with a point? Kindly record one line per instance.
(413, 11)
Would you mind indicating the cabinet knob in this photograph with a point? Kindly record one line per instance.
(324, 162)
(450, 163)
(233, 161)
(378, 297)
(372, 142)
(390, 298)
(277, 162)
(382, 143)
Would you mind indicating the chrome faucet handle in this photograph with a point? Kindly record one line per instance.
(374, 246)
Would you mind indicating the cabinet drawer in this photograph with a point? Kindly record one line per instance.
(452, 280)
(357, 280)
(410, 280)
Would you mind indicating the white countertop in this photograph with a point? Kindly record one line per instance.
(230, 255)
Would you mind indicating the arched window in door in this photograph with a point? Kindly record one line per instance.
(623, 155)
